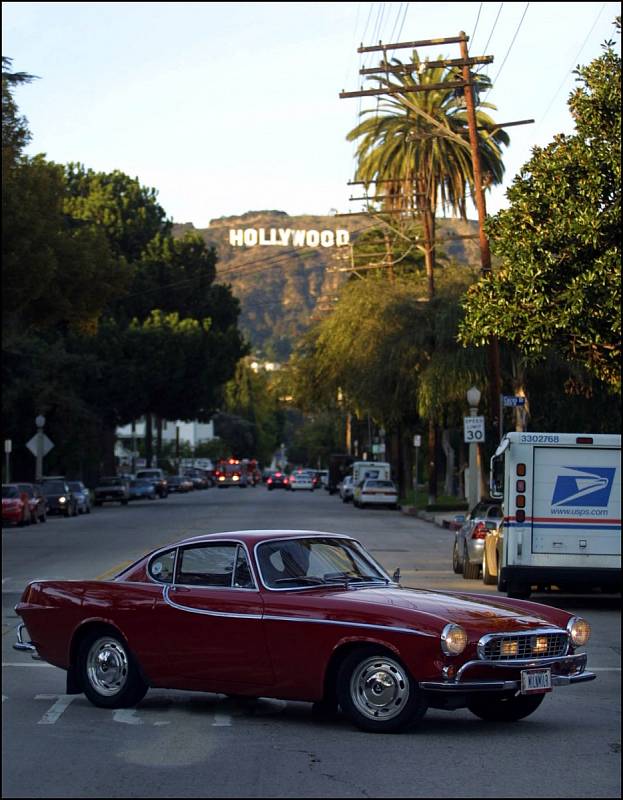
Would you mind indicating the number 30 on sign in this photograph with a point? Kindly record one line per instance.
(474, 429)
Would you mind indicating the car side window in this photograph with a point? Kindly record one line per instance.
(209, 565)
(161, 567)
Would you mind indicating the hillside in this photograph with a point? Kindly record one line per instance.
(282, 285)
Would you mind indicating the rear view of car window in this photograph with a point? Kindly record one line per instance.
(161, 568)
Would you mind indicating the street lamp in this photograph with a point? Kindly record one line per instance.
(473, 398)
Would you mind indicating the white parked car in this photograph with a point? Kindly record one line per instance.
(372, 492)
(346, 489)
(302, 480)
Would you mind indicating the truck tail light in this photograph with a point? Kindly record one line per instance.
(584, 440)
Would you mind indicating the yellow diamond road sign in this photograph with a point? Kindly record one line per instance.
(47, 445)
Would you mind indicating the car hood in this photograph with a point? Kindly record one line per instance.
(425, 610)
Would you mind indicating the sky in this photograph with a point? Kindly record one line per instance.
(225, 108)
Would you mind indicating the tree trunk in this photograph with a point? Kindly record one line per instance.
(450, 459)
(149, 450)
(432, 461)
(159, 439)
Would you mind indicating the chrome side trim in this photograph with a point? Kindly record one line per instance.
(367, 625)
(274, 618)
(227, 614)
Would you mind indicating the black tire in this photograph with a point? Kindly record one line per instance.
(504, 707)
(488, 578)
(68, 512)
(519, 591)
(124, 502)
(470, 571)
(108, 672)
(377, 692)
(457, 566)
(98, 502)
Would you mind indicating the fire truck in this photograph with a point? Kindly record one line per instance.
(232, 472)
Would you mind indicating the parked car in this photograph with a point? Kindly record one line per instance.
(301, 479)
(469, 539)
(278, 480)
(375, 492)
(82, 495)
(15, 505)
(180, 484)
(36, 502)
(492, 553)
(158, 478)
(59, 497)
(299, 615)
(141, 489)
(112, 489)
(346, 488)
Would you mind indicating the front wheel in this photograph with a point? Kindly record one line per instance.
(488, 578)
(108, 672)
(504, 707)
(470, 571)
(377, 692)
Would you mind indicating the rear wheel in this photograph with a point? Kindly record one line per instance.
(470, 571)
(108, 672)
(457, 566)
(505, 707)
(377, 692)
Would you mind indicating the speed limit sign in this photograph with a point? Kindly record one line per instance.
(474, 429)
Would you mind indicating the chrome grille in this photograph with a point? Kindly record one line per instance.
(516, 646)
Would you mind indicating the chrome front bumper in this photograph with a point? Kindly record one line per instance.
(23, 646)
(573, 671)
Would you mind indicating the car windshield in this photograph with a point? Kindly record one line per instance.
(75, 486)
(380, 484)
(304, 562)
(9, 491)
(111, 482)
(54, 487)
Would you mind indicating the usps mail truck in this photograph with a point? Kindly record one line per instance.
(561, 496)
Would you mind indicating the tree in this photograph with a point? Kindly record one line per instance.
(415, 146)
(560, 283)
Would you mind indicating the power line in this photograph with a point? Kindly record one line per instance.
(510, 47)
(476, 25)
(574, 62)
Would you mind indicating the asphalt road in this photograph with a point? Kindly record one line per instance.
(183, 744)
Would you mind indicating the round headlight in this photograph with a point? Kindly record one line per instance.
(62, 499)
(453, 640)
(579, 630)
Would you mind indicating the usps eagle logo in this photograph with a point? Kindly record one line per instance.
(584, 486)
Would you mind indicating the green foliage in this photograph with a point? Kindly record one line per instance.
(560, 283)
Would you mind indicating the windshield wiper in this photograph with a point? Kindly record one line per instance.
(350, 577)
(302, 579)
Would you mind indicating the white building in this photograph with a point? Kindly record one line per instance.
(193, 433)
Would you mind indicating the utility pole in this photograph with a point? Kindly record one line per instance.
(466, 83)
(485, 254)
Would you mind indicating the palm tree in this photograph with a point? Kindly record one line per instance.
(415, 148)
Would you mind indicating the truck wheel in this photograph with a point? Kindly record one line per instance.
(518, 591)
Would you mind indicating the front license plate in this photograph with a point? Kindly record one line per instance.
(536, 681)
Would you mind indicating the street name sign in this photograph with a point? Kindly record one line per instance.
(510, 400)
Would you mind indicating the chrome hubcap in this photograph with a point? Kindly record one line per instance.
(379, 688)
(107, 666)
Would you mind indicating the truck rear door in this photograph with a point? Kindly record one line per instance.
(576, 502)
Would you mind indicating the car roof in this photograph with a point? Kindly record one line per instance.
(252, 537)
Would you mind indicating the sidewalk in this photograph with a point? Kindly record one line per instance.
(442, 519)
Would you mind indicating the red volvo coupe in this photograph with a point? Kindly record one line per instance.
(299, 615)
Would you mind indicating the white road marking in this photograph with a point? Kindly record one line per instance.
(63, 701)
(27, 664)
(127, 715)
(221, 720)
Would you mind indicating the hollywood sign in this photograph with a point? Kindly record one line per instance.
(287, 237)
